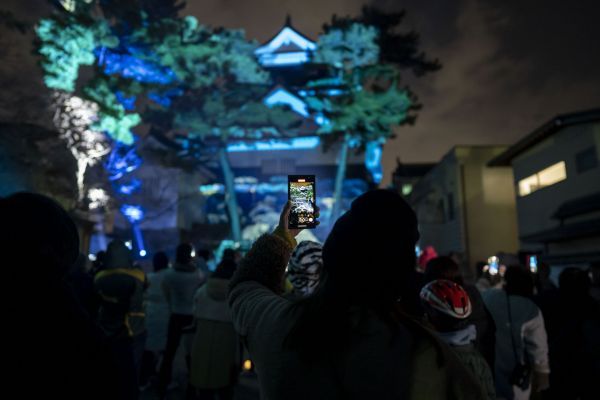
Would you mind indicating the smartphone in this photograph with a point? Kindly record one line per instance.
(533, 264)
(493, 263)
(302, 194)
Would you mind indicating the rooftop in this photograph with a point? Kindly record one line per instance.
(548, 129)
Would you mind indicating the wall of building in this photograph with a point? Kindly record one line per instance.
(440, 219)
(466, 207)
(316, 156)
(489, 204)
(536, 209)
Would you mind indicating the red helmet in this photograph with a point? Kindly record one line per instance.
(447, 297)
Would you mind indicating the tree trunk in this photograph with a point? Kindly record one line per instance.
(82, 164)
(230, 197)
(339, 180)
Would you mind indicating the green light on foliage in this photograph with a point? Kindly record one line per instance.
(112, 116)
(204, 56)
(118, 129)
(349, 48)
(66, 45)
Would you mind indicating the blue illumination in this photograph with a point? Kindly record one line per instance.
(246, 179)
(130, 187)
(373, 160)
(287, 37)
(122, 160)
(328, 92)
(132, 67)
(282, 96)
(128, 103)
(300, 143)
(277, 51)
(335, 92)
(322, 120)
(165, 98)
(133, 213)
(271, 60)
(137, 233)
(258, 188)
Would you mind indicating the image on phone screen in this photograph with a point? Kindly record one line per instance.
(533, 264)
(301, 193)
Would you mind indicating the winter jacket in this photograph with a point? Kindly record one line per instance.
(528, 333)
(463, 343)
(179, 286)
(122, 301)
(215, 357)
(381, 363)
(157, 312)
(474, 361)
(484, 322)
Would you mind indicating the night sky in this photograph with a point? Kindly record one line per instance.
(508, 66)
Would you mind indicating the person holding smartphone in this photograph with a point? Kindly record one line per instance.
(350, 338)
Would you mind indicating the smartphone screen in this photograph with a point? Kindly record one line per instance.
(493, 263)
(302, 195)
(533, 264)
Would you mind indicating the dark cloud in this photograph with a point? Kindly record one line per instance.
(508, 68)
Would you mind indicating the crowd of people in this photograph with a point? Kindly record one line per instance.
(359, 317)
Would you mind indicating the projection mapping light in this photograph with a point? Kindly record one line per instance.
(373, 161)
(73, 118)
(129, 187)
(97, 198)
(122, 160)
(134, 67)
(133, 213)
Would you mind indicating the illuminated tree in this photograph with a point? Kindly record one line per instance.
(113, 118)
(369, 101)
(74, 117)
(67, 42)
(396, 47)
(223, 85)
(100, 122)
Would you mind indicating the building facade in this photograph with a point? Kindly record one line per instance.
(557, 187)
(465, 207)
(261, 166)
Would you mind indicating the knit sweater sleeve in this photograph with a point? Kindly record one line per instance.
(265, 263)
(255, 289)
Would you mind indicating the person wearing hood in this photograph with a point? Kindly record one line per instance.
(480, 317)
(121, 315)
(350, 339)
(179, 286)
(448, 308)
(215, 361)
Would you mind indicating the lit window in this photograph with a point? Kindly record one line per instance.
(546, 177)
(528, 185)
